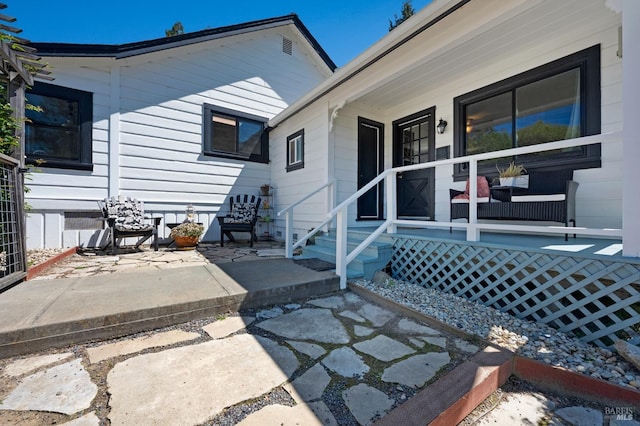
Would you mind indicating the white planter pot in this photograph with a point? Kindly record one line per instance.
(516, 181)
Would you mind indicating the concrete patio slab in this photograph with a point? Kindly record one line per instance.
(310, 385)
(376, 315)
(130, 346)
(304, 324)
(384, 348)
(227, 326)
(191, 383)
(310, 349)
(66, 389)
(27, 365)
(366, 403)
(346, 362)
(281, 415)
(416, 370)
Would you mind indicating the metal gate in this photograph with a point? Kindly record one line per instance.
(13, 265)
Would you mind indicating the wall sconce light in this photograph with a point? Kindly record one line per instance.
(441, 126)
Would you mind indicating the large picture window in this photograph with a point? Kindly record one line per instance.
(58, 132)
(232, 134)
(557, 101)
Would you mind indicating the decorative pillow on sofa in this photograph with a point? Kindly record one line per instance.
(241, 213)
(483, 191)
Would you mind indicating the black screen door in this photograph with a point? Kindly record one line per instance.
(370, 163)
(414, 143)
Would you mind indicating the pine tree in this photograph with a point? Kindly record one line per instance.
(407, 11)
(177, 29)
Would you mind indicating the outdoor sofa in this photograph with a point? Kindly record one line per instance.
(551, 196)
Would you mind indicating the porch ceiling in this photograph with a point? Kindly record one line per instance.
(435, 59)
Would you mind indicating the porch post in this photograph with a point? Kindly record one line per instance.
(473, 234)
(288, 233)
(341, 247)
(392, 203)
(630, 114)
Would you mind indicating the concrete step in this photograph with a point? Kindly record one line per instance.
(373, 258)
(42, 314)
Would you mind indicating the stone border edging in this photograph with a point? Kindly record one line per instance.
(41, 267)
(455, 395)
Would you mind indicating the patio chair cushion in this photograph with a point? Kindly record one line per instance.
(241, 213)
(483, 191)
(128, 214)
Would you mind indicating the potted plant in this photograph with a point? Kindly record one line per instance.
(187, 234)
(513, 175)
(265, 189)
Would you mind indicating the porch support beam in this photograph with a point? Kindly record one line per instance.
(630, 114)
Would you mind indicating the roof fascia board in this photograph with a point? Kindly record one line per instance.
(121, 51)
(190, 41)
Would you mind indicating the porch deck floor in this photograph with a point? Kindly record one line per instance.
(582, 246)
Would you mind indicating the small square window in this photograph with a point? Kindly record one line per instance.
(234, 135)
(295, 151)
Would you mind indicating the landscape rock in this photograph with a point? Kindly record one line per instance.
(629, 352)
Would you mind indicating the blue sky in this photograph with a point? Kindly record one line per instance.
(344, 28)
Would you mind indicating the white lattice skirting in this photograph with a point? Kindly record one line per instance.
(594, 299)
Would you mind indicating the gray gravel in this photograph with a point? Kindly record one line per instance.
(529, 339)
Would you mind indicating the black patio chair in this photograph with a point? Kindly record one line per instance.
(242, 217)
(125, 218)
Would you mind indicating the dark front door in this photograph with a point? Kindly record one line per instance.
(414, 143)
(370, 163)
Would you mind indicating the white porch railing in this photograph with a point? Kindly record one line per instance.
(290, 246)
(473, 228)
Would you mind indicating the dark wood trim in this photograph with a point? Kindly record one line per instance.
(208, 110)
(380, 127)
(291, 167)
(85, 124)
(588, 61)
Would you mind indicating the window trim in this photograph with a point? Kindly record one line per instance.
(298, 164)
(85, 122)
(208, 110)
(588, 61)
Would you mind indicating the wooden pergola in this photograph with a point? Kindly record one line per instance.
(19, 66)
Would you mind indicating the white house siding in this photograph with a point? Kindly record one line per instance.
(158, 107)
(292, 186)
(482, 43)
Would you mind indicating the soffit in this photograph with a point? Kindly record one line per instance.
(449, 59)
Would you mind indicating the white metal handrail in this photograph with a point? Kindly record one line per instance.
(473, 228)
(288, 211)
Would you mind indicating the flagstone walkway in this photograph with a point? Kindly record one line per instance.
(333, 360)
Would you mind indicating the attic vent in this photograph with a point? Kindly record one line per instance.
(83, 220)
(287, 46)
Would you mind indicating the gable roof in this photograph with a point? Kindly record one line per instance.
(119, 51)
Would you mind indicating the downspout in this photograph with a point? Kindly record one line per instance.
(114, 132)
